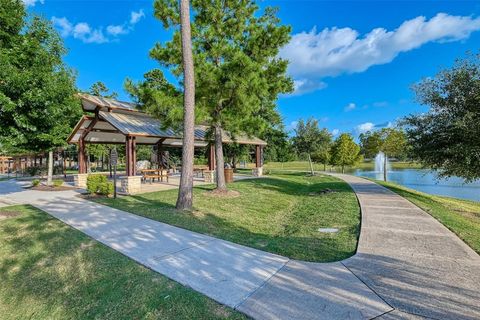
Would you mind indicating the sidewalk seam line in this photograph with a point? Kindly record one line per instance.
(261, 286)
(378, 295)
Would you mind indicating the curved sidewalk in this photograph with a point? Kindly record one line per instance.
(410, 259)
(407, 262)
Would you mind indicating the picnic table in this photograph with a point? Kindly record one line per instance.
(200, 169)
(153, 174)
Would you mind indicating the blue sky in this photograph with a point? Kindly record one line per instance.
(353, 62)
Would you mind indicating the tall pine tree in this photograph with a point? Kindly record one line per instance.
(238, 74)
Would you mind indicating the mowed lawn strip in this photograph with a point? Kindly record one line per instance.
(51, 271)
(279, 214)
(460, 216)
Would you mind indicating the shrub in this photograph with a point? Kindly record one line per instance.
(35, 171)
(35, 182)
(98, 184)
(57, 183)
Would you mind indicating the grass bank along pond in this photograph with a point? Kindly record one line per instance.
(426, 181)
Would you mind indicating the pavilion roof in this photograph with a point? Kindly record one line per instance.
(115, 120)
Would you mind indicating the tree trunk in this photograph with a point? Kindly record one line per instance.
(311, 164)
(324, 166)
(385, 167)
(343, 168)
(221, 185)
(185, 191)
(50, 168)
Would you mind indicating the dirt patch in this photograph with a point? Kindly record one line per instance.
(222, 194)
(321, 192)
(91, 196)
(51, 188)
(5, 214)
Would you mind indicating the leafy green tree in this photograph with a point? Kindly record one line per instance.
(37, 104)
(309, 139)
(237, 69)
(391, 141)
(100, 89)
(345, 152)
(370, 143)
(279, 145)
(447, 137)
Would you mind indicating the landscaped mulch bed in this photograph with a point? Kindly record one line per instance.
(51, 188)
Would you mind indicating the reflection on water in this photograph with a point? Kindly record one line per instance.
(426, 181)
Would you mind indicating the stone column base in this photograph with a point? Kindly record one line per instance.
(209, 176)
(80, 180)
(257, 172)
(130, 184)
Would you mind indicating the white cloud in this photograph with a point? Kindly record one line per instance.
(32, 3)
(135, 16)
(349, 107)
(84, 32)
(116, 30)
(302, 86)
(364, 127)
(64, 26)
(335, 132)
(81, 31)
(333, 51)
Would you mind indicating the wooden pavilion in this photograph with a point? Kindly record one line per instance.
(110, 121)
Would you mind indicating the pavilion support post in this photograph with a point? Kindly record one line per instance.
(82, 157)
(160, 155)
(209, 175)
(211, 157)
(258, 170)
(80, 179)
(130, 155)
(130, 184)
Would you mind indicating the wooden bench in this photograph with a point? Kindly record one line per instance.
(153, 174)
(200, 168)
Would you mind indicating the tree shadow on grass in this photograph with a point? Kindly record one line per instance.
(289, 242)
(48, 270)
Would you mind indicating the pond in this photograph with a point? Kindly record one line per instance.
(426, 181)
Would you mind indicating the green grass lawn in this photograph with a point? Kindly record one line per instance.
(460, 216)
(305, 166)
(51, 271)
(276, 214)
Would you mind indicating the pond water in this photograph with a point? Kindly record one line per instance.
(426, 181)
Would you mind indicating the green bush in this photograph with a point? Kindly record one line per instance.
(57, 183)
(35, 182)
(98, 184)
(35, 171)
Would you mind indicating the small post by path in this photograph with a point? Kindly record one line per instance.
(113, 163)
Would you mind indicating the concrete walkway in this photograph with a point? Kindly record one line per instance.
(407, 263)
(411, 260)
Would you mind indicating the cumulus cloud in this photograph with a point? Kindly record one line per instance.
(364, 127)
(349, 107)
(302, 86)
(84, 32)
(81, 31)
(32, 3)
(334, 51)
(116, 30)
(369, 126)
(136, 16)
(335, 132)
